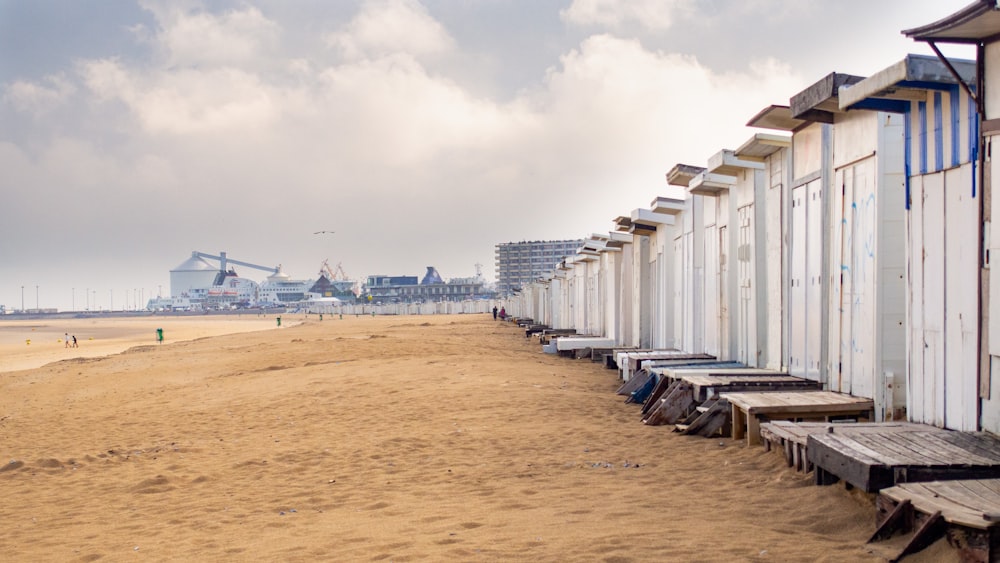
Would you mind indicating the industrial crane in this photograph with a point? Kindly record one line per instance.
(337, 274)
(224, 261)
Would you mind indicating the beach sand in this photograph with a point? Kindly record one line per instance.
(28, 344)
(385, 439)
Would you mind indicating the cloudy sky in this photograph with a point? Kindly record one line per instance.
(422, 133)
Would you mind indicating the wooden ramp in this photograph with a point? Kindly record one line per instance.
(875, 461)
(966, 511)
(641, 376)
(628, 363)
(750, 409)
(684, 388)
(790, 438)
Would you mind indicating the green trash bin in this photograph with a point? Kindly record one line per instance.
(159, 335)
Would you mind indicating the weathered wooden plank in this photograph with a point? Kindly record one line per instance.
(663, 387)
(709, 422)
(834, 457)
(673, 406)
(932, 528)
(897, 520)
(634, 383)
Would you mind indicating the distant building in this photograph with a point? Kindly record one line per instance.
(405, 289)
(520, 263)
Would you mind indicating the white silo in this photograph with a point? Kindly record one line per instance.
(193, 273)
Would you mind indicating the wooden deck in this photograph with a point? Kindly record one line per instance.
(875, 461)
(967, 511)
(684, 389)
(708, 385)
(749, 408)
(607, 355)
(790, 438)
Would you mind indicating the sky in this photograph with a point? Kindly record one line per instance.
(421, 133)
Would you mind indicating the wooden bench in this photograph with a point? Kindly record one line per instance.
(748, 408)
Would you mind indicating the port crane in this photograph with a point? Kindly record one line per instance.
(224, 262)
(336, 274)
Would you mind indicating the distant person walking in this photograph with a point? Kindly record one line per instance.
(503, 313)
(66, 339)
(494, 312)
(75, 345)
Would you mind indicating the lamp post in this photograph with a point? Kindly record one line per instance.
(36, 299)
(22, 299)
(74, 299)
(111, 305)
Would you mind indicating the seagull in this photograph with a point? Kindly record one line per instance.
(322, 232)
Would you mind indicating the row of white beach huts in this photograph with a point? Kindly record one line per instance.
(847, 241)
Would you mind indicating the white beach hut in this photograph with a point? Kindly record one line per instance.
(688, 293)
(772, 203)
(845, 236)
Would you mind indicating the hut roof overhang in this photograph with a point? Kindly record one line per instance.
(709, 184)
(763, 145)
(727, 163)
(620, 237)
(776, 117)
(682, 174)
(667, 205)
(604, 243)
(646, 220)
(819, 103)
(893, 88)
(975, 23)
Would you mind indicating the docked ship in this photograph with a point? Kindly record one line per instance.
(197, 283)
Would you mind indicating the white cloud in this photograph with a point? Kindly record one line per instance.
(187, 101)
(616, 114)
(38, 98)
(378, 146)
(195, 37)
(384, 27)
(612, 14)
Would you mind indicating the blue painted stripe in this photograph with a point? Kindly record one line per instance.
(907, 154)
(973, 127)
(974, 143)
(938, 133)
(955, 129)
(922, 116)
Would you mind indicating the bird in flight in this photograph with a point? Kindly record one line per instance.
(322, 232)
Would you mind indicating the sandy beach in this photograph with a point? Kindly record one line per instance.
(26, 344)
(426, 438)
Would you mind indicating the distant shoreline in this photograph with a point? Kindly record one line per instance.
(133, 314)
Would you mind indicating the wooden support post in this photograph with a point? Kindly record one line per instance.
(737, 419)
(753, 429)
(823, 477)
(897, 521)
(928, 532)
